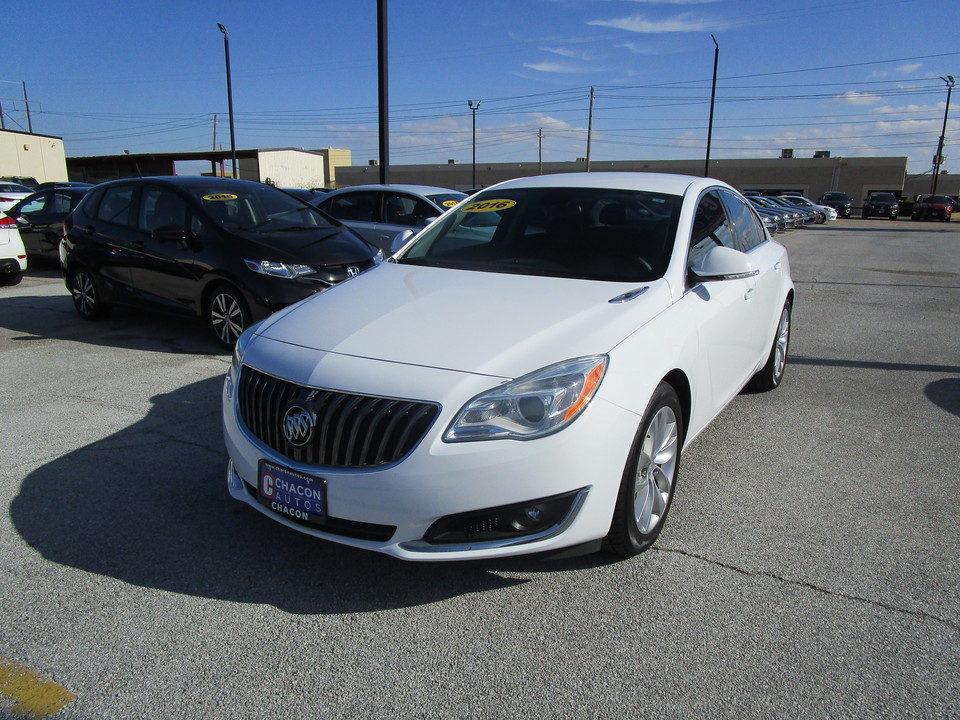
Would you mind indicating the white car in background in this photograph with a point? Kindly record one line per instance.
(13, 256)
(11, 193)
(826, 212)
(521, 377)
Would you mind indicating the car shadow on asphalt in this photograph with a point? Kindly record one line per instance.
(39, 317)
(148, 505)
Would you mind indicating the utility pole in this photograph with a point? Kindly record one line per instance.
(589, 128)
(26, 104)
(214, 131)
(938, 158)
(233, 142)
(473, 109)
(540, 149)
(384, 104)
(713, 97)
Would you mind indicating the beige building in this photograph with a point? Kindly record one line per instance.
(856, 176)
(33, 156)
(283, 167)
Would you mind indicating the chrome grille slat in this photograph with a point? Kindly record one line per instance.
(352, 431)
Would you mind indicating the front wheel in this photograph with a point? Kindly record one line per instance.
(770, 375)
(87, 295)
(649, 478)
(227, 315)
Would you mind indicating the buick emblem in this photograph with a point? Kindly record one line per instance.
(353, 271)
(298, 424)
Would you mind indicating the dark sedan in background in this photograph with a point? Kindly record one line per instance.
(229, 251)
(40, 217)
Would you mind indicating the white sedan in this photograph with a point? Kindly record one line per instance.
(521, 377)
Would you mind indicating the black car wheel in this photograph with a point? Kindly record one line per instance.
(227, 314)
(650, 477)
(87, 295)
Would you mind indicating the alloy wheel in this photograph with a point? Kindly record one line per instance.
(656, 468)
(226, 317)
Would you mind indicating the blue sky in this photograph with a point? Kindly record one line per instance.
(856, 77)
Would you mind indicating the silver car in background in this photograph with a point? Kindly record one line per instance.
(379, 213)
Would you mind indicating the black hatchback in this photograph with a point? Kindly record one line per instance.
(229, 251)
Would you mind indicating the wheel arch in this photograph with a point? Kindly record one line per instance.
(680, 383)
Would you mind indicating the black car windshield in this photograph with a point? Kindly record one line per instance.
(258, 208)
(585, 233)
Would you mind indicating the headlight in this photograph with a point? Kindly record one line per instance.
(241, 346)
(532, 406)
(278, 269)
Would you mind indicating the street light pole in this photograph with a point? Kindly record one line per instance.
(226, 55)
(713, 97)
(474, 108)
(938, 158)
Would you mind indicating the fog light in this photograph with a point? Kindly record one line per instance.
(529, 518)
(504, 522)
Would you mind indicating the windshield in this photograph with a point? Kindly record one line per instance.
(586, 233)
(258, 208)
(883, 197)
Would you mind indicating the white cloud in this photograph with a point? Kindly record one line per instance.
(564, 52)
(910, 68)
(685, 22)
(554, 67)
(857, 98)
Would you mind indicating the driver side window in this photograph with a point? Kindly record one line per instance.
(711, 228)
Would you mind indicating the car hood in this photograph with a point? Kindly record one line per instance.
(485, 323)
(322, 246)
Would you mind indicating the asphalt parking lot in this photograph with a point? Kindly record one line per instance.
(809, 567)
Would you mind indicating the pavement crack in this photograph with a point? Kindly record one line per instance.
(920, 614)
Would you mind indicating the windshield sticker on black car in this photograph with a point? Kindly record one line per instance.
(220, 196)
(489, 205)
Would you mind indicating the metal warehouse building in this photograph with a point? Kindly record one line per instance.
(856, 176)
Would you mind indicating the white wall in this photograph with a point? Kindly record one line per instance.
(292, 168)
(38, 156)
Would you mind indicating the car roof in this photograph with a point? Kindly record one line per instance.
(418, 189)
(188, 181)
(666, 183)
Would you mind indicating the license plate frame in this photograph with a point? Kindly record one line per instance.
(293, 494)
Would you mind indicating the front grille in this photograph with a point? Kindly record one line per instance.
(351, 431)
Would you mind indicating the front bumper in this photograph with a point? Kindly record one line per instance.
(391, 509)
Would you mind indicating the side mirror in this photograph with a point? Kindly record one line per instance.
(723, 263)
(400, 239)
(430, 220)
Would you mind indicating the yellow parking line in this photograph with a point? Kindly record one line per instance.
(33, 695)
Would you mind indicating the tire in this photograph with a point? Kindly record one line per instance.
(11, 280)
(649, 478)
(87, 295)
(770, 375)
(227, 315)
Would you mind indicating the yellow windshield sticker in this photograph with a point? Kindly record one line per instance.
(489, 205)
(449, 203)
(220, 196)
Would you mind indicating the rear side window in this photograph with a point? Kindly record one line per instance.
(117, 205)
